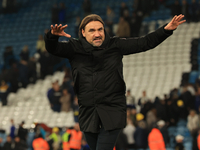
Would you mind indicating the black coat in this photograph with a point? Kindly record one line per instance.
(98, 77)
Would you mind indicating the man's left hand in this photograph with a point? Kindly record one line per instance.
(175, 22)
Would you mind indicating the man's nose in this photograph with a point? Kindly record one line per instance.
(96, 34)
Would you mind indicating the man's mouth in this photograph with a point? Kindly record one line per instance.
(97, 39)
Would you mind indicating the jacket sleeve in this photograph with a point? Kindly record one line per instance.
(60, 49)
(136, 45)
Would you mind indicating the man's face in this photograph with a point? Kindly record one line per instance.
(94, 33)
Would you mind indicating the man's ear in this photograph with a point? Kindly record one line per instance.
(83, 33)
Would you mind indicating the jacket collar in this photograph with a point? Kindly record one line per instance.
(88, 47)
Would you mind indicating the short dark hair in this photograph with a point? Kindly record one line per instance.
(88, 19)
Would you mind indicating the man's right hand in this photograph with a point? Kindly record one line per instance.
(59, 30)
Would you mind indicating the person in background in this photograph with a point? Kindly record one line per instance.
(155, 140)
(4, 90)
(130, 100)
(110, 16)
(54, 14)
(163, 129)
(176, 8)
(19, 144)
(141, 134)
(22, 132)
(129, 131)
(123, 29)
(143, 100)
(185, 10)
(39, 143)
(40, 44)
(62, 13)
(75, 138)
(24, 55)
(123, 8)
(8, 57)
(54, 96)
(65, 101)
(8, 144)
(23, 73)
(179, 142)
(198, 139)
(151, 118)
(86, 7)
(1, 141)
(77, 24)
(12, 129)
(55, 136)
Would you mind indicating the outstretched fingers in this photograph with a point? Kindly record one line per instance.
(182, 22)
(174, 18)
(63, 27)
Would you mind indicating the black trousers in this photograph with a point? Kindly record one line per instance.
(104, 140)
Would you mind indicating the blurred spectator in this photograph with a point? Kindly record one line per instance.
(130, 100)
(23, 73)
(65, 101)
(32, 74)
(155, 140)
(193, 121)
(75, 138)
(86, 7)
(193, 124)
(54, 95)
(12, 129)
(8, 57)
(62, 13)
(176, 8)
(193, 10)
(121, 142)
(56, 138)
(8, 144)
(4, 90)
(1, 141)
(44, 61)
(24, 55)
(75, 108)
(185, 10)
(131, 113)
(198, 139)
(123, 29)
(135, 23)
(9, 6)
(13, 77)
(54, 14)
(19, 144)
(123, 8)
(181, 109)
(108, 30)
(85, 146)
(143, 100)
(39, 143)
(110, 16)
(161, 110)
(188, 97)
(77, 24)
(129, 131)
(151, 118)
(179, 142)
(197, 100)
(141, 135)
(163, 129)
(40, 44)
(65, 140)
(22, 132)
